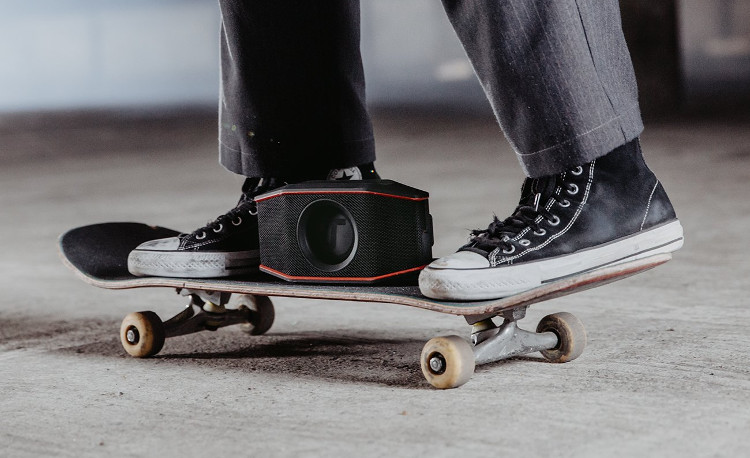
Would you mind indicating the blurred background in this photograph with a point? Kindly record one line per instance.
(108, 113)
(689, 54)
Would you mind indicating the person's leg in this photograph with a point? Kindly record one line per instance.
(558, 75)
(293, 91)
(560, 81)
(292, 108)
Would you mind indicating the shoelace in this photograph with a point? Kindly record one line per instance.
(233, 217)
(530, 213)
(246, 207)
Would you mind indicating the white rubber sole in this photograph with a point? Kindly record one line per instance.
(186, 264)
(457, 281)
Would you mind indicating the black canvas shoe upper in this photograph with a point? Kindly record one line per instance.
(610, 198)
(236, 230)
(227, 246)
(610, 211)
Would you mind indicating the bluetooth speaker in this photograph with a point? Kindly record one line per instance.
(365, 231)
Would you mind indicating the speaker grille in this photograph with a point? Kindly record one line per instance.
(393, 235)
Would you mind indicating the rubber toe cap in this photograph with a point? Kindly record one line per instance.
(168, 244)
(461, 260)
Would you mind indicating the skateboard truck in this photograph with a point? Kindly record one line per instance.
(494, 343)
(143, 333)
(202, 313)
(449, 361)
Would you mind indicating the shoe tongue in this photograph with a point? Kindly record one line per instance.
(537, 190)
(255, 186)
(248, 187)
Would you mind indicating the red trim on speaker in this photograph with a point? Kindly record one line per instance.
(275, 272)
(394, 196)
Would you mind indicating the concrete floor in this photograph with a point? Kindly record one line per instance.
(665, 373)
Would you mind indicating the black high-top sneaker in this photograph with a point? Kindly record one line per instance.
(606, 212)
(224, 247)
(227, 246)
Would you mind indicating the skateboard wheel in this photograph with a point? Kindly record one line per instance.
(263, 314)
(571, 336)
(142, 334)
(447, 362)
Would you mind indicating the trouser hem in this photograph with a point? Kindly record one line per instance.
(585, 147)
(306, 164)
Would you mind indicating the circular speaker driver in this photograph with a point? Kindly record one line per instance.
(327, 235)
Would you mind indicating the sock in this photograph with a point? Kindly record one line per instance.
(360, 172)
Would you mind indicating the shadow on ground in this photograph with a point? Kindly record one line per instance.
(333, 354)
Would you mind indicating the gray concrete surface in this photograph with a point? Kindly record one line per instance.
(665, 373)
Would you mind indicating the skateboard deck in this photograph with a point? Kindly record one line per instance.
(98, 255)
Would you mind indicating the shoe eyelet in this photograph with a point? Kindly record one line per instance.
(511, 251)
(253, 211)
(565, 203)
(524, 242)
(542, 231)
(219, 229)
(572, 189)
(201, 236)
(554, 221)
(577, 171)
(237, 222)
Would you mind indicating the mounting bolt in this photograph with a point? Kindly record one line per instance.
(437, 363)
(132, 335)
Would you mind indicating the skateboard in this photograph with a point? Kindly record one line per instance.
(98, 255)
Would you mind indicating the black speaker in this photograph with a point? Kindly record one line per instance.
(344, 231)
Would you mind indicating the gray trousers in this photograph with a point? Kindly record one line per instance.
(557, 74)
